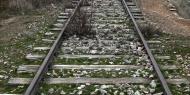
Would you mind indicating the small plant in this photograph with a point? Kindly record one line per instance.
(150, 30)
(79, 25)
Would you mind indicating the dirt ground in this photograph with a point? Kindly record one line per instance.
(14, 26)
(158, 12)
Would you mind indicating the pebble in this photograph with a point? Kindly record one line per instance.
(79, 93)
(87, 83)
(51, 91)
(139, 50)
(62, 92)
(179, 58)
(5, 62)
(137, 73)
(21, 86)
(93, 51)
(128, 61)
(49, 33)
(137, 93)
(113, 75)
(84, 72)
(1, 76)
(130, 91)
(152, 90)
(151, 68)
(141, 86)
(103, 92)
(153, 84)
(117, 69)
(126, 71)
(134, 75)
(151, 76)
(120, 73)
(104, 86)
(81, 87)
(145, 90)
(121, 93)
(115, 92)
(96, 89)
(111, 63)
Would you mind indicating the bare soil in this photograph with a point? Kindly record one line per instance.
(11, 27)
(158, 12)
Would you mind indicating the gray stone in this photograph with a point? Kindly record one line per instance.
(121, 93)
(137, 93)
(152, 90)
(51, 91)
(79, 92)
(62, 92)
(153, 84)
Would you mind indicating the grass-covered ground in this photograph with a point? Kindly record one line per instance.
(19, 34)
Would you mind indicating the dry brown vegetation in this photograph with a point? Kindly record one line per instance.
(24, 4)
(19, 21)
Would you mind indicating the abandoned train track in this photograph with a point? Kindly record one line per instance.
(96, 46)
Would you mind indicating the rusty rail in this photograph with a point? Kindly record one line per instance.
(32, 88)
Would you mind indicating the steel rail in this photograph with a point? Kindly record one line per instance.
(152, 59)
(32, 88)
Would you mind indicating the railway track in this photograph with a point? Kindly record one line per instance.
(113, 57)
